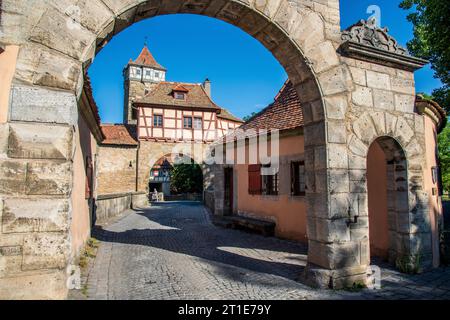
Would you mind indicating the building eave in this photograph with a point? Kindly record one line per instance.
(433, 110)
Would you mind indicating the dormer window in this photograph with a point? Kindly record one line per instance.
(179, 95)
(179, 92)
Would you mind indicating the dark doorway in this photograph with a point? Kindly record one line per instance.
(153, 186)
(228, 197)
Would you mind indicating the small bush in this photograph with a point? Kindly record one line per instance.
(409, 264)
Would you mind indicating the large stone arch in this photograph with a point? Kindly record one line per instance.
(59, 39)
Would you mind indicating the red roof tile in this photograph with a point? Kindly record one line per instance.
(180, 88)
(283, 114)
(146, 59)
(119, 134)
(225, 114)
(196, 97)
(162, 95)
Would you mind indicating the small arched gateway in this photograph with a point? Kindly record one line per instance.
(354, 86)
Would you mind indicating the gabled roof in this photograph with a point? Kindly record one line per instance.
(180, 88)
(146, 59)
(119, 134)
(162, 95)
(225, 114)
(283, 114)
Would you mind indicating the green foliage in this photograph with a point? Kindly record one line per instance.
(356, 287)
(409, 264)
(186, 178)
(431, 21)
(444, 156)
(89, 252)
(246, 118)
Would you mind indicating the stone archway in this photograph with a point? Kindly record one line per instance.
(349, 99)
(388, 209)
(59, 39)
(407, 207)
(169, 161)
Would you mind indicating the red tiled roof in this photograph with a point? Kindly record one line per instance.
(119, 134)
(180, 88)
(162, 94)
(283, 114)
(146, 59)
(225, 114)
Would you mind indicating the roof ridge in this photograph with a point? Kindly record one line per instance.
(146, 58)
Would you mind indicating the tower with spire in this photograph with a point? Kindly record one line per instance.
(140, 76)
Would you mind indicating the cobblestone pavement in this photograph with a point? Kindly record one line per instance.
(173, 251)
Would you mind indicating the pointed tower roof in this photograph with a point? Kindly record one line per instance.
(146, 59)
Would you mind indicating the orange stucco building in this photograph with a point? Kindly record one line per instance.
(280, 198)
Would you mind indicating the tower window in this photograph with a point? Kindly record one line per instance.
(157, 120)
(156, 74)
(138, 72)
(148, 73)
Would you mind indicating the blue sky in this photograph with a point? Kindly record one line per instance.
(245, 76)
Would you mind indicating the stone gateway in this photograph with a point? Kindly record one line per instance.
(356, 87)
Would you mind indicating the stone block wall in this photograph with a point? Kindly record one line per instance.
(116, 169)
(113, 205)
(208, 199)
(36, 173)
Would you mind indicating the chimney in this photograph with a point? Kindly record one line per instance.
(207, 86)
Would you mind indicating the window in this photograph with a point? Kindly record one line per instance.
(254, 179)
(179, 95)
(138, 72)
(148, 73)
(198, 123)
(157, 120)
(156, 74)
(187, 122)
(298, 186)
(270, 184)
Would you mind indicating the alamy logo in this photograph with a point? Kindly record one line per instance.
(73, 277)
(239, 147)
(374, 277)
(375, 12)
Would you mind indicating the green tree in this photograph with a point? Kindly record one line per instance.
(444, 156)
(246, 118)
(431, 22)
(186, 178)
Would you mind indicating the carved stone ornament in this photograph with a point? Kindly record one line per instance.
(365, 40)
(367, 33)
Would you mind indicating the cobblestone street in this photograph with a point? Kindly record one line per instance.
(173, 251)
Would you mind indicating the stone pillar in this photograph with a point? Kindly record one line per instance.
(36, 150)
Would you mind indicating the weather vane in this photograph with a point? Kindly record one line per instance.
(145, 41)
